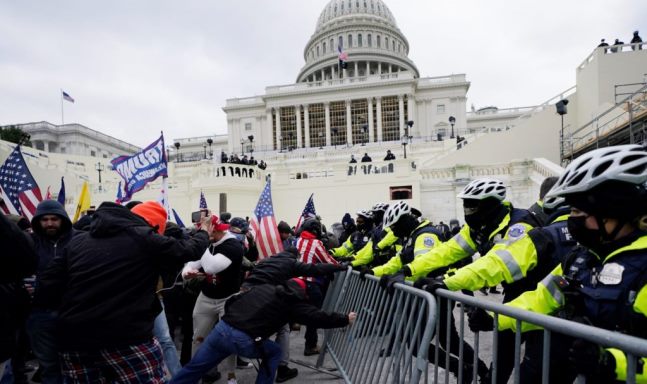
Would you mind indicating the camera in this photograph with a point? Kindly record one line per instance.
(198, 215)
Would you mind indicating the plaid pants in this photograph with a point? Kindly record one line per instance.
(140, 363)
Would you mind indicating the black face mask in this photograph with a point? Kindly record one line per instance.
(482, 216)
(589, 238)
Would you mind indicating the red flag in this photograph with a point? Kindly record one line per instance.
(268, 240)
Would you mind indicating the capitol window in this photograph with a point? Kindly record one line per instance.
(370, 40)
(359, 40)
(317, 51)
(341, 41)
(386, 42)
(440, 108)
(378, 41)
(332, 44)
(393, 45)
(248, 126)
(324, 47)
(350, 41)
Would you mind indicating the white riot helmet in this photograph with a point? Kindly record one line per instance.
(395, 212)
(625, 163)
(483, 188)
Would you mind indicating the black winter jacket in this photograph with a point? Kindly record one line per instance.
(263, 309)
(18, 261)
(284, 266)
(103, 286)
(47, 248)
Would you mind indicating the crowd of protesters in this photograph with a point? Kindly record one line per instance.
(244, 160)
(102, 303)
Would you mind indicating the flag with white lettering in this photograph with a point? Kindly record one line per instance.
(141, 168)
(19, 190)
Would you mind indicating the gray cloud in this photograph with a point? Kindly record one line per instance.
(136, 68)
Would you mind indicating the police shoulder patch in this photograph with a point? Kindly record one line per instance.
(429, 242)
(516, 231)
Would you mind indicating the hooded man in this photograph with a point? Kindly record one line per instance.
(52, 231)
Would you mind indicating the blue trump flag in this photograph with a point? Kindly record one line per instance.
(141, 168)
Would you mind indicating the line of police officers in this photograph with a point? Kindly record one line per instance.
(586, 261)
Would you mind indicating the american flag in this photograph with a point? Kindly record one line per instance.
(343, 56)
(308, 212)
(19, 189)
(264, 226)
(67, 97)
(203, 201)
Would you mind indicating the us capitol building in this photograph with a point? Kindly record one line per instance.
(307, 131)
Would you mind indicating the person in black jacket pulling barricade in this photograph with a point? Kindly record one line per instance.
(251, 317)
(277, 270)
(103, 287)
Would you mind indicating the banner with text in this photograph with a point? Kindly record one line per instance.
(141, 168)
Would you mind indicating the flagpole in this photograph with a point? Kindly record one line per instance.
(62, 114)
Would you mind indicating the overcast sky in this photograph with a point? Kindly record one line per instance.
(138, 67)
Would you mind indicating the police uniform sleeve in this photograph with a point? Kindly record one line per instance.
(509, 261)
(545, 299)
(424, 244)
(364, 255)
(449, 252)
(390, 267)
(345, 249)
(388, 240)
(640, 308)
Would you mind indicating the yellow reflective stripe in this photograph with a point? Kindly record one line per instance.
(463, 243)
(551, 282)
(621, 363)
(510, 263)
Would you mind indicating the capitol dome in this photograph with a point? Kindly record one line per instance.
(367, 31)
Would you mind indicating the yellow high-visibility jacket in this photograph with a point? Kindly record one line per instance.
(365, 255)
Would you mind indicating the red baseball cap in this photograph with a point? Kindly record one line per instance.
(218, 224)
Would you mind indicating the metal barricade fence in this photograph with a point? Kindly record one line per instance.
(390, 339)
(553, 328)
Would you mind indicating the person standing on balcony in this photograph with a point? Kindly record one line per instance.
(616, 44)
(366, 158)
(389, 155)
(635, 40)
(352, 159)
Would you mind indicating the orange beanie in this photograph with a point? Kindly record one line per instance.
(153, 213)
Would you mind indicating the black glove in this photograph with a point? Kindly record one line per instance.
(593, 361)
(388, 282)
(422, 282)
(364, 272)
(345, 259)
(479, 320)
(434, 284)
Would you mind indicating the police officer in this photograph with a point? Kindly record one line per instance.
(359, 238)
(383, 243)
(520, 263)
(604, 280)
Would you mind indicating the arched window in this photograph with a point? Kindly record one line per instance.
(332, 45)
(317, 51)
(341, 41)
(359, 40)
(324, 47)
(386, 42)
(357, 4)
(399, 47)
(342, 7)
(393, 45)
(350, 41)
(370, 40)
(379, 43)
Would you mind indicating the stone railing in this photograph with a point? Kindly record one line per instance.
(611, 49)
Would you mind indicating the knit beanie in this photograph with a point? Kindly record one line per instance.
(153, 213)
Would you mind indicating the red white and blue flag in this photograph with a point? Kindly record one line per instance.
(268, 240)
(308, 212)
(19, 189)
(343, 57)
(66, 96)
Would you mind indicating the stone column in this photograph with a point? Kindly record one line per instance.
(370, 119)
(379, 68)
(349, 124)
(356, 69)
(306, 122)
(46, 146)
(327, 113)
(279, 141)
(379, 118)
(368, 68)
(322, 74)
(401, 114)
(411, 111)
(297, 112)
